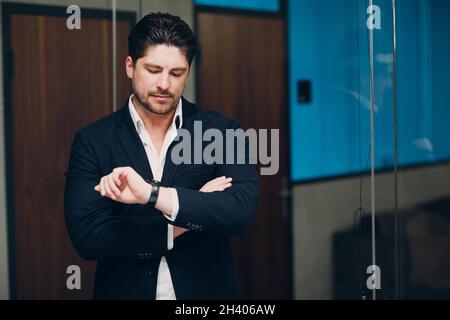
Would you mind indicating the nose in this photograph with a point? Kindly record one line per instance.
(163, 82)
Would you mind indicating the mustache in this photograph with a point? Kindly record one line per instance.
(164, 94)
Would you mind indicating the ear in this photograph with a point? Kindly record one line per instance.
(129, 67)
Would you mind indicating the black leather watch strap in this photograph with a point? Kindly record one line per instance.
(154, 193)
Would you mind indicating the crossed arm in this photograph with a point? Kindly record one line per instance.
(220, 206)
(125, 185)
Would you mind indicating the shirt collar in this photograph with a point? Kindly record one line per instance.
(139, 123)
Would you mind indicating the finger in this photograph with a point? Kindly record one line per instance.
(220, 183)
(211, 185)
(108, 191)
(226, 186)
(204, 189)
(97, 188)
(221, 187)
(100, 187)
(208, 184)
(121, 172)
(211, 182)
(116, 178)
(112, 185)
(214, 181)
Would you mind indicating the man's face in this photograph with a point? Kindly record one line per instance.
(159, 77)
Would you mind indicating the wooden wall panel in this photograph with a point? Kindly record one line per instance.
(62, 81)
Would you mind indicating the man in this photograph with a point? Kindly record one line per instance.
(126, 202)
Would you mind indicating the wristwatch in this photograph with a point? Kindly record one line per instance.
(154, 193)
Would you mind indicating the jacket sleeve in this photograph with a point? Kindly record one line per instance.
(95, 231)
(226, 212)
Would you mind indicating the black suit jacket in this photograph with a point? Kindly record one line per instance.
(128, 240)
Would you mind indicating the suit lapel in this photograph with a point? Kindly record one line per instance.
(134, 149)
(132, 144)
(170, 168)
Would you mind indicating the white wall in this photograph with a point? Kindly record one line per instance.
(183, 8)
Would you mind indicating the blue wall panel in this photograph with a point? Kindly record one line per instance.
(328, 45)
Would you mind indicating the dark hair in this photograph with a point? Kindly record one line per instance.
(161, 28)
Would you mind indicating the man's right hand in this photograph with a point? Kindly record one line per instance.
(217, 184)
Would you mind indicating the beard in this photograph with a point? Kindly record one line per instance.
(150, 107)
(156, 108)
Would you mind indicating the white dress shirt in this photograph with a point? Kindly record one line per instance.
(164, 287)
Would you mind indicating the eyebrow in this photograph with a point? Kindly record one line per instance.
(149, 65)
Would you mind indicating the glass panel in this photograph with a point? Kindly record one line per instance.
(423, 40)
(328, 52)
(329, 57)
(330, 103)
(260, 5)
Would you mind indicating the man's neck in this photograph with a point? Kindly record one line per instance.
(153, 121)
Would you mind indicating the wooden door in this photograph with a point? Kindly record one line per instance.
(57, 80)
(241, 73)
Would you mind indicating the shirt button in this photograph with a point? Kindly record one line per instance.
(149, 273)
